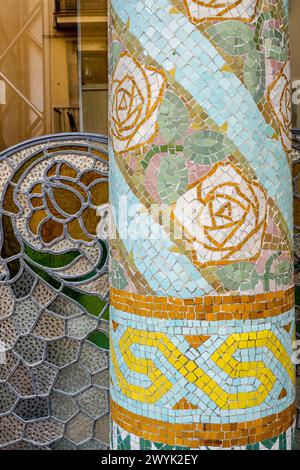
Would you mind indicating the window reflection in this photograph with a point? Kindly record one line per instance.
(53, 68)
(22, 108)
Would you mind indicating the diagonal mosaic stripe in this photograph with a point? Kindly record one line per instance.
(202, 317)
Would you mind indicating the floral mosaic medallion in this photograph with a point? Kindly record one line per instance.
(231, 218)
(202, 291)
(54, 294)
(136, 95)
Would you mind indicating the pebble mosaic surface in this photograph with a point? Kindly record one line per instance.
(54, 295)
(202, 297)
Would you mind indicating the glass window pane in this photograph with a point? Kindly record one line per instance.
(22, 67)
(94, 65)
(53, 68)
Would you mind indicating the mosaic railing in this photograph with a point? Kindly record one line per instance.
(202, 291)
(54, 294)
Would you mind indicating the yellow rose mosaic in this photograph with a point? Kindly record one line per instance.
(136, 98)
(202, 294)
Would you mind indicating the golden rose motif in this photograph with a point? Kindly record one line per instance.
(223, 217)
(136, 94)
(65, 204)
(201, 10)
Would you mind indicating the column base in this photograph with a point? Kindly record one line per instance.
(124, 440)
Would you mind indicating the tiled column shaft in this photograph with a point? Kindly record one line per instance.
(202, 307)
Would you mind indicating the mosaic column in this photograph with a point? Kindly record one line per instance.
(202, 301)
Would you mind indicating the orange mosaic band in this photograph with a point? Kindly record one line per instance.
(210, 308)
(194, 435)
